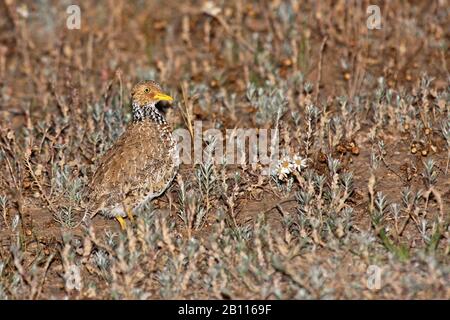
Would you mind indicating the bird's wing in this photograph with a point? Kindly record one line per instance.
(134, 160)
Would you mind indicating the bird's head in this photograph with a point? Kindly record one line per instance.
(147, 93)
(144, 97)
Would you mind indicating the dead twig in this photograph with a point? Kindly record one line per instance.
(319, 71)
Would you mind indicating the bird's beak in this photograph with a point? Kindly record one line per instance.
(163, 97)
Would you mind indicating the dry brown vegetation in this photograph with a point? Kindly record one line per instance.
(369, 109)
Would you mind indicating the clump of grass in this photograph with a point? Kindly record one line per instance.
(270, 102)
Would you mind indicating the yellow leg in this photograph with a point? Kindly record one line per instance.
(122, 223)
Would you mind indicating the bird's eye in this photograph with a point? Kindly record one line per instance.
(146, 90)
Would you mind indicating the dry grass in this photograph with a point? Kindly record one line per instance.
(368, 109)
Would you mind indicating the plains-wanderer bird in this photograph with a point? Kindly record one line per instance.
(140, 165)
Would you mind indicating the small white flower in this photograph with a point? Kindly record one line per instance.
(284, 168)
(299, 163)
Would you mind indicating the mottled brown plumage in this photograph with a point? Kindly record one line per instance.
(141, 164)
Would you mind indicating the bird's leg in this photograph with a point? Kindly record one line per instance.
(128, 211)
(130, 214)
(122, 223)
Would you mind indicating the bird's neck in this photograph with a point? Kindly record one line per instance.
(151, 113)
(148, 112)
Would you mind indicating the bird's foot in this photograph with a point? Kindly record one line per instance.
(122, 222)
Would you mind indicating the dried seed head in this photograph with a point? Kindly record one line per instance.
(286, 62)
(341, 149)
(322, 157)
